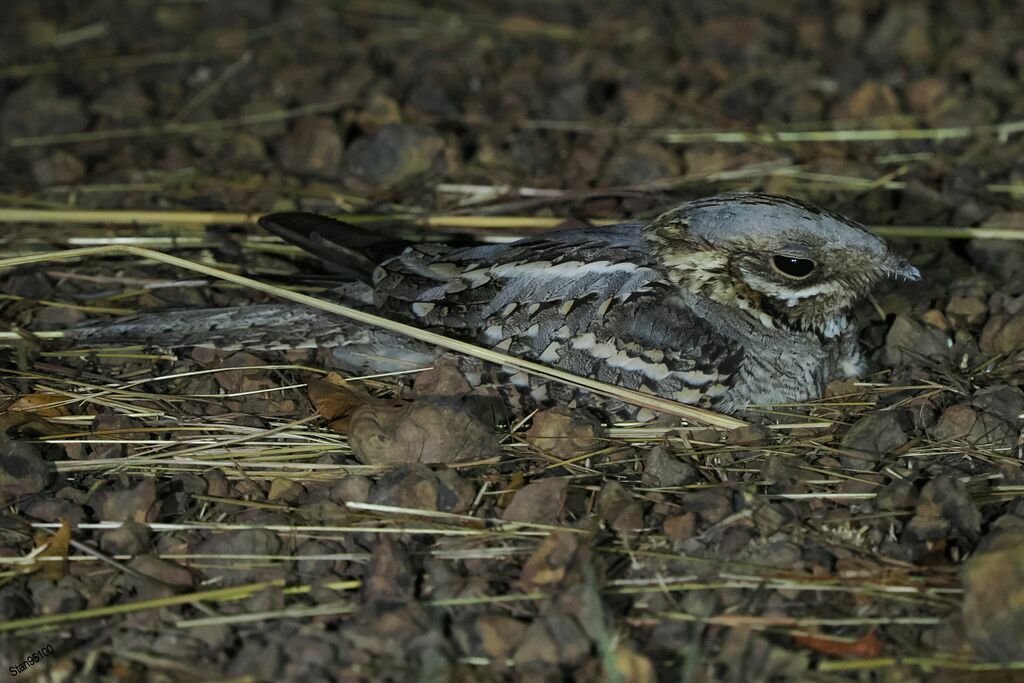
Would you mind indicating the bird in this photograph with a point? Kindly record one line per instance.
(728, 302)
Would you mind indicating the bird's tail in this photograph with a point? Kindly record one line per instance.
(355, 347)
(347, 250)
(267, 326)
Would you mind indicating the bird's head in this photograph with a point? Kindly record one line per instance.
(786, 263)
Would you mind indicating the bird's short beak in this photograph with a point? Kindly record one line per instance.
(897, 266)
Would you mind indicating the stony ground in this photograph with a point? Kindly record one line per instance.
(197, 515)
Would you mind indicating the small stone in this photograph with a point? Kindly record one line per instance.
(444, 379)
(909, 340)
(490, 635)
(870, 439)
(285, 491)
(313, 147)
(393, 155)
(644, 105)
(640, 163)
(1005, 402)
(417, 487)
(22, 470)
(872, 100)
(956, 422)
(976, 427)
(564, 432)
(436, 430)
(379, 110)
(663, 470)
(936, 319)
(679, 528)
(550, 563)
(61, 598)
(36, 108)
(540, 502)
(945, 510)
(616, 506)
(993, 605)
(967, 311)
(1003, 334)
(252, 377)
(239, 542)
(59, 168)
(710, 505)
(924, 95)
(899, 494)
(55, 510)
(160, 578)
(555, 639)
(164, 571)
(353, 488)
(137, 504)
(131, 538)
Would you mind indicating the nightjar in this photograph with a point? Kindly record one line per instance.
(727, 302)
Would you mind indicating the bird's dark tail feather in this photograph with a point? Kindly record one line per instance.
(345, 249)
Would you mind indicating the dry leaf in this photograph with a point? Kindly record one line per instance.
(335, 400)
(47, 405)
(57, 545)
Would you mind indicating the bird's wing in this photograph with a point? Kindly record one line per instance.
(468, 287)
(591, 302)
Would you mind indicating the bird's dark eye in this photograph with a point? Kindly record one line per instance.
(790, 266)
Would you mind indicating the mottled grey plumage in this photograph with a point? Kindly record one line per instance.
(693, 306)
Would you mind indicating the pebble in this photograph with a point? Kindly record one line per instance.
(393, 155)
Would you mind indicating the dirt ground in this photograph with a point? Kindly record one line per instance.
(179, 514)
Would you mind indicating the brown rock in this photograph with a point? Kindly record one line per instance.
(444, 379)
(22, 470)
(336, 400)
(313, 147)
(490, 635)
(555, 639)
(393, 155)
(644, 105)
(1003, 333)
(993, 606)
(417, 487)
(639, 163)
(945, 510)
(59, 168)
(977, 427)
(379, 110)
(164, 571)
(679, 528)
(137, 504)
(909, 340)
(353, 488)
(253, 377)
(619, 509)
(633, 667)
(285, 491)
(664, 470)
(131, 538)
(871, 100)
(389, 574)
(924, 95)
(551, 561)
(870, 439)
(967, 311)
(428, 430)
(564, 432)
(36, 108)
(539, 502)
